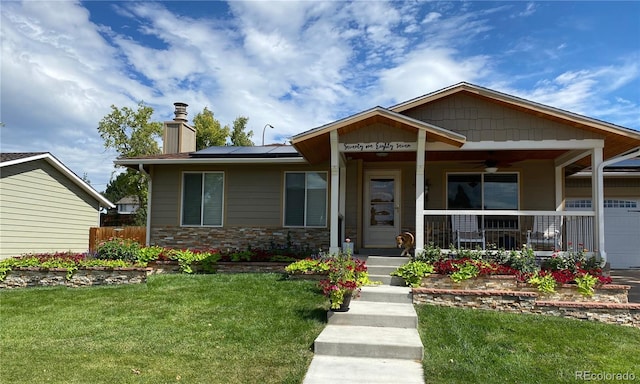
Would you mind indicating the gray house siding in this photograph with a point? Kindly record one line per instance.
(480, 120)
(378, 133)
(253, 208)
(43, 211)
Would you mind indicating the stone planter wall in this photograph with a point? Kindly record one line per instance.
(529, 302)
(38, 277)
(480, 282)
(307, 276)
(609, 293)
(250, 267)
(171, 266)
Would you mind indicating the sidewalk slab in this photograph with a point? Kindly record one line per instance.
(376, 314)
(352, 370)
(377, 342)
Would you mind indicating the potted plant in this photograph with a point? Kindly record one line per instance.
(346, 276)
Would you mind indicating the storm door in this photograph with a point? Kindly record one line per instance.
(381, 208)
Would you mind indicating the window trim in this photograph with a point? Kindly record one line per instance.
(182, 192)
(284, 199)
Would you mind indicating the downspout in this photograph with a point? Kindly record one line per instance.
(625, 156)
(149, 188)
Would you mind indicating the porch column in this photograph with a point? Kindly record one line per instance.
(559, 183)
(597, 193)
(420, 151)
(335, 194)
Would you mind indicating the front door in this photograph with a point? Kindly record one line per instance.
(381, 208)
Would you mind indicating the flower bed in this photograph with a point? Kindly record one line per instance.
(475, 270)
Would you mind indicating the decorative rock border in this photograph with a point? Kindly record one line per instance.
(83, 277)
(527, 302)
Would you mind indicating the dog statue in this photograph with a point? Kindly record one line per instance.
(407, 241)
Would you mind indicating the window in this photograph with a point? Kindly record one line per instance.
(202, 198)
(482, 191)
(490, 191)
(305, 196)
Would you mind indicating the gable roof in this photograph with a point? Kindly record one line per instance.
(307, 143)
(13, 158)
(618, 139)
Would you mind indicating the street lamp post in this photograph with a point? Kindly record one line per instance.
(264, 129)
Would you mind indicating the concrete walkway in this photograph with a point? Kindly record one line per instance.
(629, 277)
(376, 341)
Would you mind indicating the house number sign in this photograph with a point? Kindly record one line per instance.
(378, 146)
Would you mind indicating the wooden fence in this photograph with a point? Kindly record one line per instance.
(100, 234)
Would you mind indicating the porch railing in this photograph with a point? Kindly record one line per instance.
(544, 231)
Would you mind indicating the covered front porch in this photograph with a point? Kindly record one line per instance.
(465, 167)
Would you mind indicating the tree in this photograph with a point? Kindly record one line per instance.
(132, 134)
(238, 136)
(209, 132)
(120, 187)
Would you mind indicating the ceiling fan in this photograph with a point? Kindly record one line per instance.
(490, 164)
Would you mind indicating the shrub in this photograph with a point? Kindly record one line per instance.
(307, 266)
(148, 254)
(545, 282)
(186, 258)
(413, 272)
(118, 249)
(430, 254)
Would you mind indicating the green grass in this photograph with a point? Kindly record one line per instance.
(474, 346)
(258, 328)
(224, 328)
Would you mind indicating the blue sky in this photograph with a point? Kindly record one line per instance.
(297, 65)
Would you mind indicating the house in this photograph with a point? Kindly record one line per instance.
(127, 205)
(463, 165)
(44, 206)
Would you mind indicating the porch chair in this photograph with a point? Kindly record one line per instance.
(546, 233)
(465, 230)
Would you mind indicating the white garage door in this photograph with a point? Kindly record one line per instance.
(621, 230)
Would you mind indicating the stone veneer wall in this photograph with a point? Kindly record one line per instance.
(38, 277)
(238, 237)
(609, 293)
(527, 302)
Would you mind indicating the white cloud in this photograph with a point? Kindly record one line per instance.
(295, 65)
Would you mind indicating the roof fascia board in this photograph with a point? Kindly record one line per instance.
(24, 159)
(68, 173)
(205, 160)
(334, 125)
(534, 144)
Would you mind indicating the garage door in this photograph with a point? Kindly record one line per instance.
(621, 230)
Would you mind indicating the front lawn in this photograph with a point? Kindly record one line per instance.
(222, 328)
(258, 328)
(475, 346)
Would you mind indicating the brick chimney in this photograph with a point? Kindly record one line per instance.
(179, 136)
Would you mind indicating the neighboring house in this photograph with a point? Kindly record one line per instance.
(127, 205)
(44, 206)
(465, 152)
